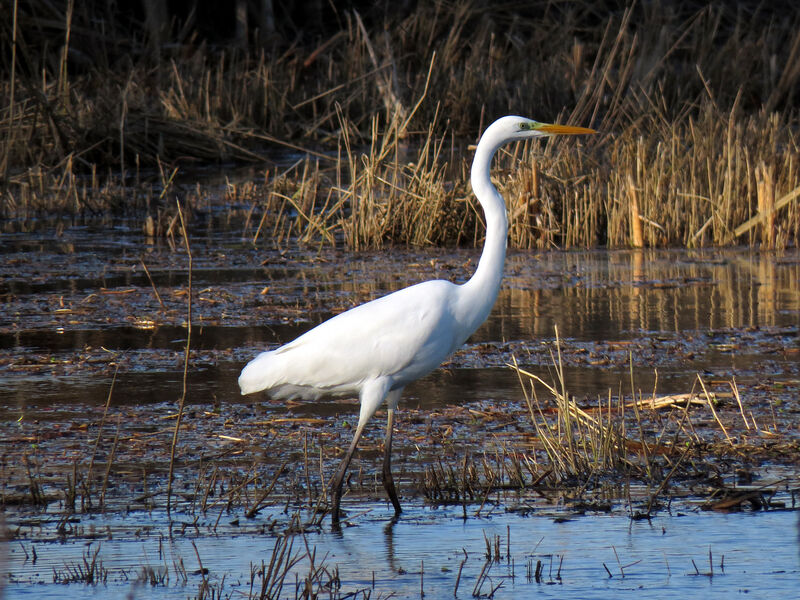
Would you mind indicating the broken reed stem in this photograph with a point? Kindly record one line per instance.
(152, 284)
(619, 564)
(100, 431)
(258, 502)
(200, 569)
(765, 191)
(637, 415)
(422, 579)
(63, 79)
(110, 463)
(666, 479)
(458, 577)
(750, 223)
(11, 129)
(185, 360)
(713, 410)
(636, 223)
(735, 391)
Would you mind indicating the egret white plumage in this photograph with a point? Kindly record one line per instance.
(376, 349)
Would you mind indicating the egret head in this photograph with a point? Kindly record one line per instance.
(513, 127)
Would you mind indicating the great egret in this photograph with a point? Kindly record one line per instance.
(376, 349)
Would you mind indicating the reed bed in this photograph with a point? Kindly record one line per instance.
(695, 104)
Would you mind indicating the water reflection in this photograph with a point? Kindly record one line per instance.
(605, 294)
(656, 298)
(614, 295)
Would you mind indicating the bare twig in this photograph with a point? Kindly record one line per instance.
(182, 400)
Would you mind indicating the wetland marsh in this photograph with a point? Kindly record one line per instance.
(83, 326)
(626, 421)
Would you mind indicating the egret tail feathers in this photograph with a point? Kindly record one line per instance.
(261, 373)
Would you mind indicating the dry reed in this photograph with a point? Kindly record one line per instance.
(695, 102)
(646, 439)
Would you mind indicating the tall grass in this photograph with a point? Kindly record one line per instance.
(695, 102)
(644, 439)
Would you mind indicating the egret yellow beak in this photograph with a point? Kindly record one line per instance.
(552, 129)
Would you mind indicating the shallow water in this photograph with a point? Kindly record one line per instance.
(591, 556)
(79, 307)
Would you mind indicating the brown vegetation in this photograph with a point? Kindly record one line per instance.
(696, 105)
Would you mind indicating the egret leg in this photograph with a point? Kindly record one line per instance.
(388, 480)
(372, 393)
(338, 479)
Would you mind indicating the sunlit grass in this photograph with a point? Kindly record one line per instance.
(695, 111)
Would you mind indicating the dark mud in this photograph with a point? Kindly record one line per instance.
(80, 311)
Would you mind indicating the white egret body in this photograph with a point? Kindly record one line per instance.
(376, 349)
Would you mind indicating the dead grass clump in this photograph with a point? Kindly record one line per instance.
(447, 484)
(578, 445)
(89, 571)
(396, 198)
(648, 439)
(696, 104)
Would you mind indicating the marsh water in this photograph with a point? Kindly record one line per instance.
(81, 312)
(600, 556)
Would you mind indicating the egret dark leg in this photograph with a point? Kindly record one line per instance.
(336, 483)
(388, 480)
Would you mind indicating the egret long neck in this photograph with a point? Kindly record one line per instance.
(480, 292)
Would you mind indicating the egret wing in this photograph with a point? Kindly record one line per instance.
(402, 336)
